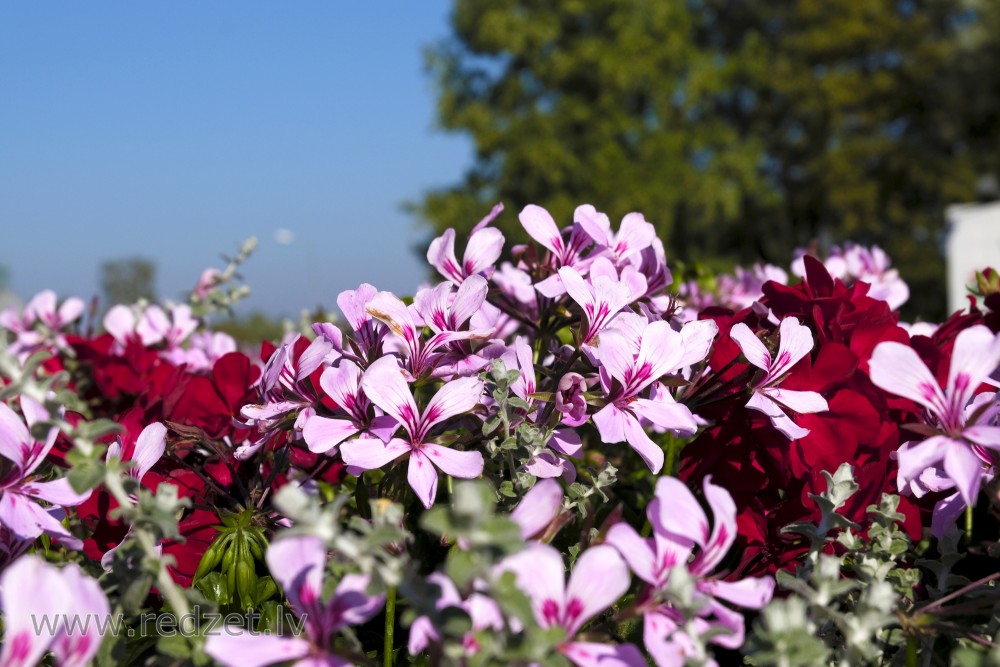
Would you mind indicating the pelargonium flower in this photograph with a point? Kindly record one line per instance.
(602, 297)
(634, 235)
(282, 386)
(483, 611)
(19, 493)
(384, 385)
(152, 326)
(141, 456)
(961, 443)
(299, 564)
(551, 462)
(365, 338)
(481, 252)
(446, 316)
(46, 608)
(342, 383)
(42, 308)
(679, 523)
(599, 578)
(794, 342)
(632, 359)
(538, 508)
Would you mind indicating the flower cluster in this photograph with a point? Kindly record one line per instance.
(553, 453)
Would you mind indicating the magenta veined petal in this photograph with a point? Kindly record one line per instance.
(599, 578)
(637, 551)
(454, 398)
(750, 345)
(233, 646)
(385, 386)
(538, 507)
(466, 465)
(896, 368)
(423, 478)
(30, 589)
(540, 226)
(298, 564)
(795, 340)
(540, 574)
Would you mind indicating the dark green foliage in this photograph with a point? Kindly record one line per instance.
(741, 129)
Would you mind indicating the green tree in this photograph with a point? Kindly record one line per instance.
(742, 128)
(128, 280)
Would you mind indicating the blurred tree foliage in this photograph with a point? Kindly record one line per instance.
(128, 280)
(741, 128)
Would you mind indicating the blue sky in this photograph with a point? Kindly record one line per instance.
(174, 130)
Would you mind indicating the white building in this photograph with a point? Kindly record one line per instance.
(973, 244)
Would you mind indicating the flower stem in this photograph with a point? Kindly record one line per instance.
(968, 525)
(390, 626)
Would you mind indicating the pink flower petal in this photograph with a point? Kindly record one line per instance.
(423, 478)
(538, 507)
(600, 577)
(232, 646)
(453, 462)
(637, 551)
(298, 564)
(323, 434)
(371, 453)
(750, 345)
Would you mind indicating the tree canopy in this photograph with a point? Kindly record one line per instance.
(741, 128)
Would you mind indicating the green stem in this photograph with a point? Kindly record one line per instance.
(968, 525)
(673, 447)
(390, 626)
(912, 646)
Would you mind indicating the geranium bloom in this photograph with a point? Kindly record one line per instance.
(152, 326)
(19, 508)
(384, 384)
(444, 318)
(679, 523)
(50, 609)
(282, 385)
(481, 253)
(599, 579)
(483, 611)
(634, 235)
(299, 563)
(602, 297)
(141, 457)
(633, 358)
(539, 507)
(794, 342)
(958, 446)
(564, 442)
(42, 308)
(342, 383)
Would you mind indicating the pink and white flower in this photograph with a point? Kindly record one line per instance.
(385, 386)
(632, 358)
(481, 252)
(598, 580)
(961, 448)
(20, 512)
(342, 383)
(299, 564)
(46, 608)
(795, 341)
(679, 524)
